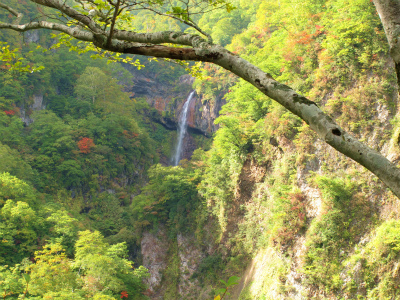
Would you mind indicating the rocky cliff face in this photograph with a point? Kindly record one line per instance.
(171, 263)
(36, 105)
(285, 266)
(169, 99)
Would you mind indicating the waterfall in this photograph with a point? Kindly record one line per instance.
(182, 128)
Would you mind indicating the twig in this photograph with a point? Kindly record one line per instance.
(14, 12)
(113, 22)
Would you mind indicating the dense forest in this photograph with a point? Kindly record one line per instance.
(92, 208)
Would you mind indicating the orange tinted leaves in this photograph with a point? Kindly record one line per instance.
(9, 112)
(85, 145)
(124, 294)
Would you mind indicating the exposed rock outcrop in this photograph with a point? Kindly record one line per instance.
(182, 254)
(154, 251)
(36, 105)
(169, 99)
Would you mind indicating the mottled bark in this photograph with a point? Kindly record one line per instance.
(389, 12)
(198, 49)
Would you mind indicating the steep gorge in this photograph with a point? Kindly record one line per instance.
(269, 202)
(292, 217)
(168, 98)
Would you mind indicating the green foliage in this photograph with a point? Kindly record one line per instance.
(107, 214)
(21, 226)
(288, 219)
(222, 26)
(96, 87)
(46, 154)
(221, 293)
(331, 51)
(220, 178)
(330, 234)
(19, 230)
(377, 263)
(172, 273)
(13, 188)
(13, 62)
(53, 146)
(210, 268)
(11, 282)
(170, 196)
(105, 268)
(52, 275)
(99, 271)
(11, 131)
(91, 85)
(11, 161)
(65, 230)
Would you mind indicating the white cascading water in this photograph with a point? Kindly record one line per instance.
(182, 129)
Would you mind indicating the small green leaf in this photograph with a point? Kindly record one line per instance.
(220, 291)
(233, 280)
(229, 7)
(27, 277)
(223, 282)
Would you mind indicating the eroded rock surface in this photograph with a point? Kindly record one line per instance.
(169, 99)
(154, 248)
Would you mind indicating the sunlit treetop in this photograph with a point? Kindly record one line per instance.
(185, 11)
(109, 15)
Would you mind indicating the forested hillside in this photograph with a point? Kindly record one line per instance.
(91, 208)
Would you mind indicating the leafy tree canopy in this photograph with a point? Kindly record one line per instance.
(105, 25)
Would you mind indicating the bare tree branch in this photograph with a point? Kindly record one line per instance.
(72, 13)
(116, 8)
(190, 22)
(72, 31)
(13, 11)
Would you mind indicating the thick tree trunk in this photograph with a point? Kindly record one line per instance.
(389, 12)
